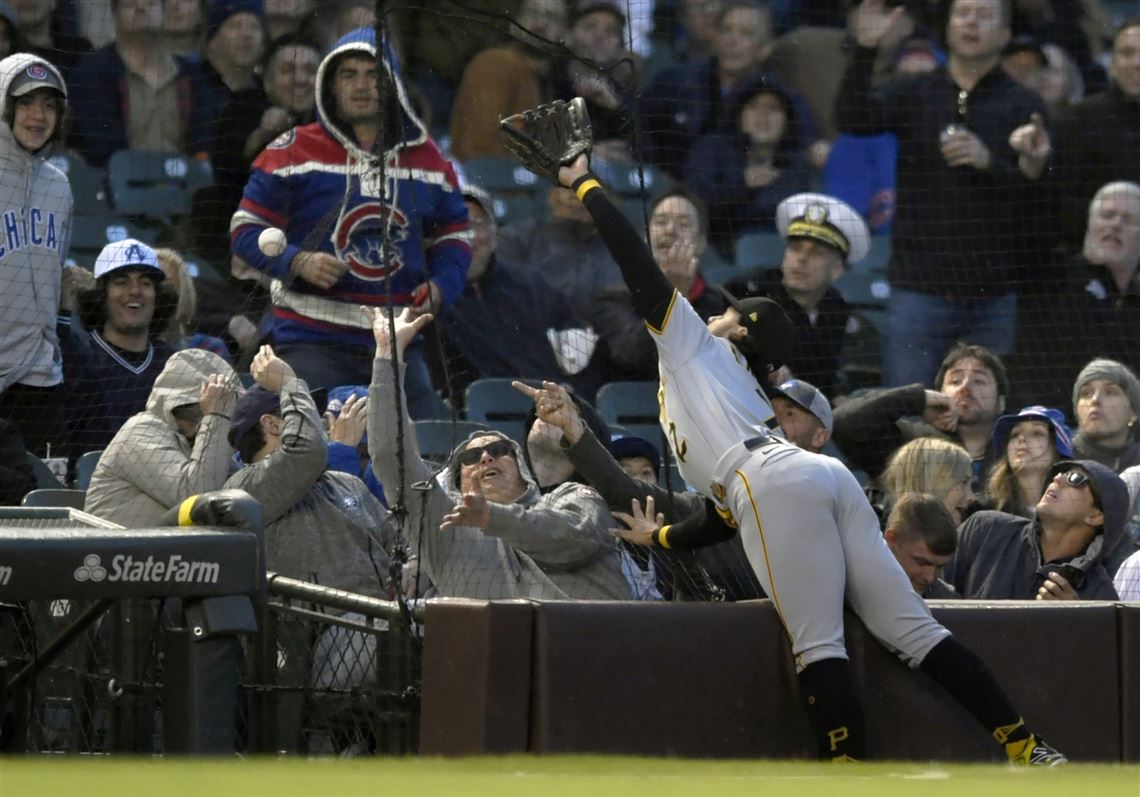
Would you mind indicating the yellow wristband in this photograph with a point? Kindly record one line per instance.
(663, 536)
(184, 510)
(586, 187)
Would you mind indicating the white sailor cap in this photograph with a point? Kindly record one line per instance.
(128, 253)
(825, 218)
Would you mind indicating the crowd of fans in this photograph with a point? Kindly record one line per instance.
(992, 141)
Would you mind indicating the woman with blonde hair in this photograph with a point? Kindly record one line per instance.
(180, 332)
(1029, 444)
(931, 465)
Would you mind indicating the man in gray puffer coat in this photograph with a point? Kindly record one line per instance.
(481, 528)
(1061, 554)
(174, 449)
(321, 526)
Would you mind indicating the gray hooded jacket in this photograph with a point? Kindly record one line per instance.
(35, 227)
(150, 467)
(320, 526)
(553, 547)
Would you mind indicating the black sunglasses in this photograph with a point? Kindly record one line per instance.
(1077, 478)
(499, 448)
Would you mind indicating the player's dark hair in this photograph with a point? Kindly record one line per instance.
(991, 361)
(92, 307)
(684, 192)
(921, 515)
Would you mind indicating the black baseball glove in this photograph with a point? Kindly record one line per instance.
(549, 136)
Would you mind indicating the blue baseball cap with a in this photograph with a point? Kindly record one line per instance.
(1062, 438)
(808, 397)
(624, 446)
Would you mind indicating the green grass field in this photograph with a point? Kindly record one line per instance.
(548, 777)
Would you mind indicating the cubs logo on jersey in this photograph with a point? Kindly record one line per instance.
(359, 240)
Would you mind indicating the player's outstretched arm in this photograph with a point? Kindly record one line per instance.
(652, 293)
(698, 530)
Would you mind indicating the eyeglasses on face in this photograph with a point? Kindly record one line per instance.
(499, 448)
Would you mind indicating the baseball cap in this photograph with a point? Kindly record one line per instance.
(827, 219)
(222, 10)
(254, 403)
(128, 253)
(480, 195)
(36, 75)
(807, 396)
(622, 446)
(770, 331)
(1055, 418)
(257, 401)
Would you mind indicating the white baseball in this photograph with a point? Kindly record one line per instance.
(271, 242)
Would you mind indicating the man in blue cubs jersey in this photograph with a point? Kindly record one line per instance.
(371, 212)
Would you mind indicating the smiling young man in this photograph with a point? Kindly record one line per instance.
(35, 209)
(124, 313)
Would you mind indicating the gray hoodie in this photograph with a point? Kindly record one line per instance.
(35, 227)
(553, 547)
(150, 467)
(320, 526)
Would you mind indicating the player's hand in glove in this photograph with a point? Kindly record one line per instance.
(554, 406)
(641, 524)
(549, 136)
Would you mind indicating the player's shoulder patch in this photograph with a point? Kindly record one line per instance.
(284, 140)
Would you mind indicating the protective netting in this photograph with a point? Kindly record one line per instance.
(899, 177)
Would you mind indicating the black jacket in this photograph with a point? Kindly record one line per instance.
(871, 427)
(958, 231)
(1097, 142)
(999, 554)
(818, 342)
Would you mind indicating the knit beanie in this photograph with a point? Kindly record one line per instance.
(1109, 371)
(221, 10)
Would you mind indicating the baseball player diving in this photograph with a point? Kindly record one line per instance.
(809, 532)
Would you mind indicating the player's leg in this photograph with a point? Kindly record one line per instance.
(784, 512)
(894, 613)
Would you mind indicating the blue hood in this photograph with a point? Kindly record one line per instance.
(362, 41)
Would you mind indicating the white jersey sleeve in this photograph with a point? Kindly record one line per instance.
(682, 334)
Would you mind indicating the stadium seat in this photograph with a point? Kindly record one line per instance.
(88, 184)
(438, 438)
(89, 234)
(85, 467)
(759, 250)
(631, 180)
(56, 497)
(632, 406)
(516, 192)
(45, 479)
(867, 290)
(155, 185)
(497, 404)
(878, 256)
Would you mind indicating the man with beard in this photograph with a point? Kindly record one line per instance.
(972, 386)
